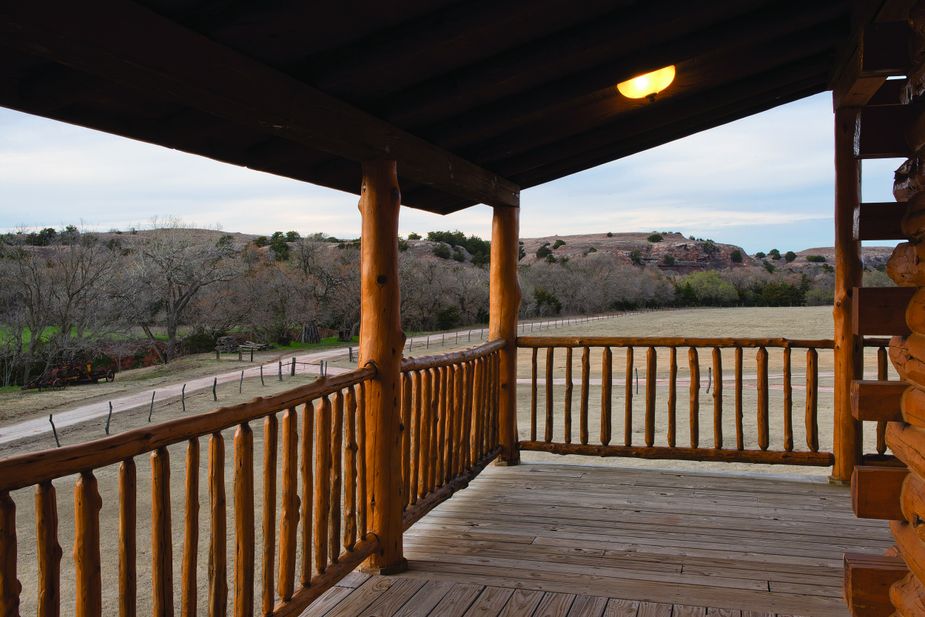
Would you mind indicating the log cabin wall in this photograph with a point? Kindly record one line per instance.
(887, 120)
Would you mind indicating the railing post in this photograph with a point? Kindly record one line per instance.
(847, 430)
(381, 344)
(504, 307)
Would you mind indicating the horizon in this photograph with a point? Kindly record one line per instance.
(749, 183)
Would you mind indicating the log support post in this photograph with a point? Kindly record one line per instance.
(381, 343)
(848, 358)
(504, 308)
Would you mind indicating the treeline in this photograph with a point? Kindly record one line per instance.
(66, 296)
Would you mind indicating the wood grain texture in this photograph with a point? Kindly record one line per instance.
(268, 556)
(606, 396)
(87, 579)
(161, 535)
(244, 548)
(693, 360)
(128, 511)
(48, 550)
(289, 514)
(218, 541)
(188, 569)
(9, 583)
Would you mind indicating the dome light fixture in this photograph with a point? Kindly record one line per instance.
(647, 85)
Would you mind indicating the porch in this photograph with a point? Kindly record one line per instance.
(554, 539)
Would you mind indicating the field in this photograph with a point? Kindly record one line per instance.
(788, 322)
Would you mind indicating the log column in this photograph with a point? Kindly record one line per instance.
(847, 433)
(504, 306)
(381, 343)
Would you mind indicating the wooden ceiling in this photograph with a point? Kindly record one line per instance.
(476, 99)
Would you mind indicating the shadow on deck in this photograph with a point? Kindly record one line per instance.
(542, 539)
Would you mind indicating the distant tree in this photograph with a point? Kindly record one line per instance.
(292, 236)
(709, 288)
(414, 236)
(774, 254)
(521, 253)
(736, 256)
(816, 259)
(668, 260)
(558, 243)
(768, 266)
(636, 257)
(610, 234)
(261, 241)
(544, 251)
(789, 256)
(760, 255)
(656, 237)
(442, 250)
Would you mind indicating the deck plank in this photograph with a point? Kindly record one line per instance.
(584, 541)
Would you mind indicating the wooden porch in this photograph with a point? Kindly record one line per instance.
(541, 539)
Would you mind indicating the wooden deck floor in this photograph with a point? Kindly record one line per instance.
(542, 539)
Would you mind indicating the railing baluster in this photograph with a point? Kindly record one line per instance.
(740, 432)
(882, 375)
(289, 516)
(761, 362)
(218, 550)
(416, 425)
(361, 461)
(406, 400)
(585, 395)
(48, 550)
(350, 472)
(9, 582)
(569, 388)
(468, 382)
(788, 403)
(628, 400)
(812, 400)
(337, 448)
(128, 578)
(161, 538)
(87, 581)
(672, 396)
(188, 572)
(717, 398)
(606, 398)
(694, 362)
(533, 394)
(308, 490)
(651, 375)
(452, 422)
(244, 521)
(323, 481)
(270, 430)
(427, 405)
(550, 362)
(478, 405)
(442, 412)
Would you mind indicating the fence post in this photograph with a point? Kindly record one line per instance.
(381, 344)
(261, 376)
(182, 398)
(151, 409)
(504, 305)
(241, 381)
(214, 386)
(54, 431)
(292, 370)
(108, 417)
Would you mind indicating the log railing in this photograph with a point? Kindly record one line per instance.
(709, 399)
(312, 446)
(450, 404)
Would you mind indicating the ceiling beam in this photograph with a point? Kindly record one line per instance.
(128, 44)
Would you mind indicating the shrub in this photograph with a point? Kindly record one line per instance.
(543, 251)
(610, 234)
(261, 241)
(458, 254)
(546, 300)
(816, 259)
(550, 259)
(736, 256)
(591, 250)
(521, 253)
(557, 244)
(280, 248)
(414, 236)
(668, 260)
(636, 257)
(789, 256)
(774, 254)
(768, 266)
(656, 237)
(292, 236)
(761, 255)
(402, 245)
(448, 317)
(442, 250)
(709, 247)
(709, 289)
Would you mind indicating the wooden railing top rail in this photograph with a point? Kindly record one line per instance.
(36, 467)
(669, 341)
(436, 361)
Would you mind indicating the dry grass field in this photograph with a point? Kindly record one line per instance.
(795, 322)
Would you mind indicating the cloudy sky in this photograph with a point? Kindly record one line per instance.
(761, 183)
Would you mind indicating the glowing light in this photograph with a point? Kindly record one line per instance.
(648, 84)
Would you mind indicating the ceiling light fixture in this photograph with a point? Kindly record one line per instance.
(647, 85)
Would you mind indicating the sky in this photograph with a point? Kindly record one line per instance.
(763, 182)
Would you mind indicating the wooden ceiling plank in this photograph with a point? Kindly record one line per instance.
(128, 44)
(704, 75)
(536, 104)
